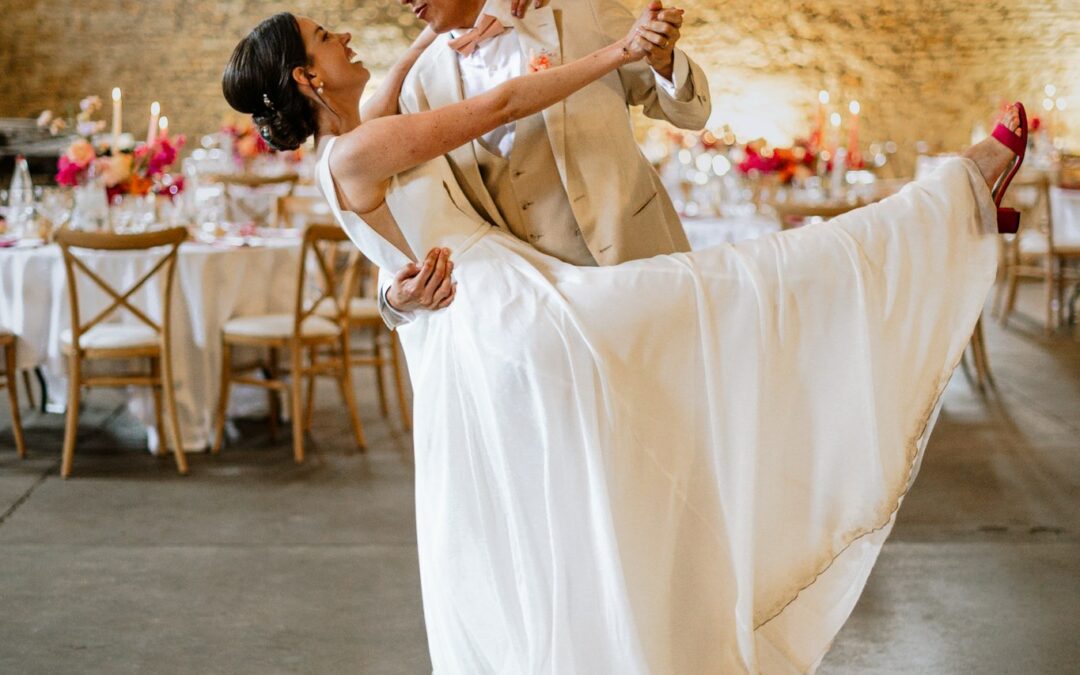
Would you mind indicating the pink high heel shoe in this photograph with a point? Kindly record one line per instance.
(1009, 219)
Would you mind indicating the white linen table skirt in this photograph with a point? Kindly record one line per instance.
(213, 284)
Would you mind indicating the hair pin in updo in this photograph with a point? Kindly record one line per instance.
(268, 103)
(264, 131)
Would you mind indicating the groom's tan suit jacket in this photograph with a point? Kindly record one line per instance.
(617, 199)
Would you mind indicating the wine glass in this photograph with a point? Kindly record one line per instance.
(56, 205)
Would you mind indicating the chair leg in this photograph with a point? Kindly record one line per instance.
(29, 389)
(273, 397)
(13, 396)
(223, 396)
(174, 419)
(380, 362)
(1012, 283)
(296, 381)
(1048, 293)
(982, 362)
(309, 408)
(344, 378)
(71, 427)
(399, 384)
(159, 418)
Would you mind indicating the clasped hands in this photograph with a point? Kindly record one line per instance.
(655, 32)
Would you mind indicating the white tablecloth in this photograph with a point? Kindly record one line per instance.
(706, 232)
(213, 284)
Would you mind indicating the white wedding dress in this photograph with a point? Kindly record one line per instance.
(682, 465)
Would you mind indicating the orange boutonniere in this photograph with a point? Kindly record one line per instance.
(541, 61)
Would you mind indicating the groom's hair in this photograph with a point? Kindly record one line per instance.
(258, 81)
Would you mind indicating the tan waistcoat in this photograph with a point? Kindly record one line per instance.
(529, 194)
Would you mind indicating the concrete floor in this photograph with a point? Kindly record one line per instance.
(254, 565)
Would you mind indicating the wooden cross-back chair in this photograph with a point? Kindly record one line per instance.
(95, 339)
(235, 209)
(363, 315)
(1033, 253)
(303, 331)
(7, 343)
(311, 208)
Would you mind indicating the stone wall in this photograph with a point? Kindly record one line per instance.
(921, 69)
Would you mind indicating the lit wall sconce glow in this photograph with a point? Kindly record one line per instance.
(834, 119)
(1050, 90)
(823, 97)
(1048, 104)
(1061, 103)
(854, 107)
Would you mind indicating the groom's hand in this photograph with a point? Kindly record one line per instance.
(429, 286)
(658, 37)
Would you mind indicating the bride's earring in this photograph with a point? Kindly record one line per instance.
(320, 90)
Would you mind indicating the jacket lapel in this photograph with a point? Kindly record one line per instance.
(539, 32)
(441, 80)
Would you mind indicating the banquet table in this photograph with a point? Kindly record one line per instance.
(214, 283)
(706, 232)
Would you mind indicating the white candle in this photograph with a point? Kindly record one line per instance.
(116, 117)
(152, 132)
(853, 140)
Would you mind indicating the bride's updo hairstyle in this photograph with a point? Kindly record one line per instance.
(258, 81)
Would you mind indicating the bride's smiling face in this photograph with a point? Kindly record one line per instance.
(333, 62)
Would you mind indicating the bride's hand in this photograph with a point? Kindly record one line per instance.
(635, 43)
(645, 41)
(518, 7)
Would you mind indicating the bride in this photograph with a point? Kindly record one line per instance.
(683, 465)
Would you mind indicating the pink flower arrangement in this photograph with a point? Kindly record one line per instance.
(74, 165)
(784, 163)
(122, 173)
(137, 173)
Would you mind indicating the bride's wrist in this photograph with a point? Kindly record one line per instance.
(621, 52)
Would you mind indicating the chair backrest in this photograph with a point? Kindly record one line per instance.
(107, 241)
(250, 180)
(311, 208)
(338, 264)
(1069, 175)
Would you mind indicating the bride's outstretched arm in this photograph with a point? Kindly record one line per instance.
(390, 145)
(385, 99)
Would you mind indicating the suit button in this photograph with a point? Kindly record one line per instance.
(525, 205)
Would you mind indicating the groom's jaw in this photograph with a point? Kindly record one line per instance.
(446, 15)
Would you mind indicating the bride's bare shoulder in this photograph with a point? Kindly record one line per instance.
(358, 191)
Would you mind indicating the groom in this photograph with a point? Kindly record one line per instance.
(571, 181)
